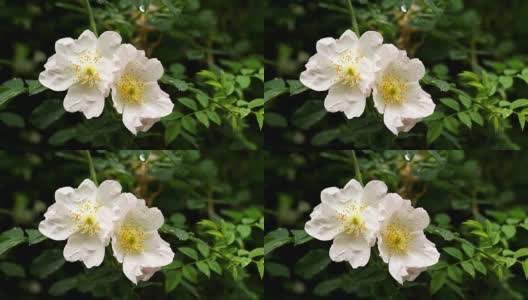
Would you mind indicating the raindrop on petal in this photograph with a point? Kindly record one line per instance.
(403, 8)
(142, 157)
(142, 8)
(407, 157)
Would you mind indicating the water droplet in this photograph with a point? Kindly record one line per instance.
(403, 8)
(142, 157)
(142, 8)
(407, 157)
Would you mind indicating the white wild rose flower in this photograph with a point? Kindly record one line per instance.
(135, 240)
(84, 217)
(85, 68)
(397, 92)
(347, 68)
(135, 90)
(401, 240)
(350, 217)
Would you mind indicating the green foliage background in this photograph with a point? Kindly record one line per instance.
(211, 52)
(212, 203)
(479, 222)
(475, 53)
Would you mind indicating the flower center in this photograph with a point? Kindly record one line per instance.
(354, 225)
(130, 89)
(397, 239)
(86, 218)
(347, 72)
(86, 70)
(131, 239)
(392, 90)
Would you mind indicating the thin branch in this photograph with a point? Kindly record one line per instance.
(91, 16)
(93, 175)
(353, 19)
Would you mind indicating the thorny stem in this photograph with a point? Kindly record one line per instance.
(357, 170)
(93, 175)
(91, 16)
(353, 19)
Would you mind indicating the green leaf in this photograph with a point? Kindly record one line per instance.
(308, 114)
(506, 81)
(10, 89)
(275, 120)
(172, 132)
(256, 103)
(35, 87)
(509, 231)
(479, 266)
(175, 10)
(521, 253)
(189, 252)
(172, 280)
(525, 268)
(214, 117)
(203, 118)
(454, 252)
(215, 267)
(256, 252)
(469, 250)
(189, 272)
(204, 268)
(203, 99)
(312, 263)
(455, 273)
(438, 280)
(61, 287)
(243, 81)
(34, 236)
(62, 136)
(244, 230)
(46, 113)
(47, 263)
(179, 84)
(519, 103)
(203, 248)
(522, 120)
(277, 270)
(326, 287)
(434, 132)
(296, 87)
(465, 118)
(468, 267)
(451, 103)
(465, 100)
(274, 88)
(260, 267)
(188, 102)
(12, 270)
(325, 137)
(12, 120)
(300, 236)
(476, 117)
(276, 239)
(11, 238)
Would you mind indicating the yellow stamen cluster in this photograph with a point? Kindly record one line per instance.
(86, 69)
(130, 89)
(347, 72)
(397, 238)
(392, 89)
(351, 219)
(131, 238)
(86, 218)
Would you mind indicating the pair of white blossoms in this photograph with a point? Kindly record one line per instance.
(355, 217)
(351, 68)
(90, 67)
(90, 216)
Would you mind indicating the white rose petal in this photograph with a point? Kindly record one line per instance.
(84, 217)
(401, 240)
(135, 90)
(135, 240)
(84, 66)
(397, 93)
(349, 216)
(347, 68)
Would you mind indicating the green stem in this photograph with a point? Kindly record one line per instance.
(353, 19)
(357, 170)
(91, 16)
(93, 175)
